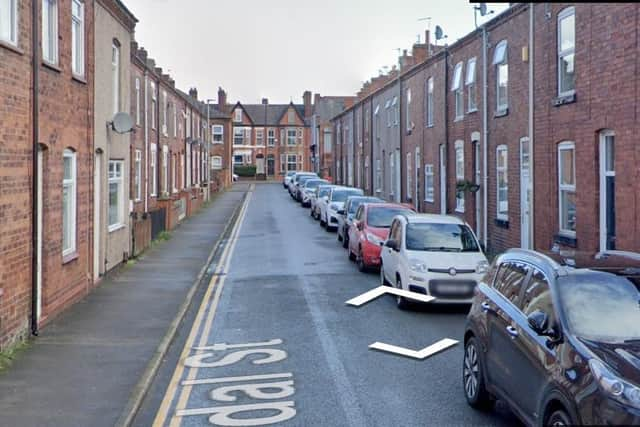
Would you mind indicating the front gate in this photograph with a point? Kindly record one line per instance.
(158, 222)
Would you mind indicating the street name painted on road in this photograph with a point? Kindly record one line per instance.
(381, 290)
(421, 354)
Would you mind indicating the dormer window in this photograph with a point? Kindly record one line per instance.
(237, 115)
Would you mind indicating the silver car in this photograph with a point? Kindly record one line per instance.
(345, 216)
(321, 192)
(334, 202)
(294, 180)
(308, 189)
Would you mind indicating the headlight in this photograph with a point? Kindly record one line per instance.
(616, 388)
(374, 239)
(417, 266)
(334, 207)
(482, 267)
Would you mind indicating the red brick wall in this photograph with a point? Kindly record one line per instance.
(15, 183)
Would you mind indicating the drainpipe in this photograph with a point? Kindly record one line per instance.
(146, 141)
(446, 126)
(35, 63)
(485, 135)
(531, 152)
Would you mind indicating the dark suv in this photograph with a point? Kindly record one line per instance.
(557, 337)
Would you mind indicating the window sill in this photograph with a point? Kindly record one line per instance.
(79, 79)
(116, 227)
(10, 46)
(429, 201)
(51, 66)
(564, 240)
(475, 110)
(564, 100)
(501, 113)
(66, 259)
(501, 223)
(459, 210)
(458, 119)
(429, 126)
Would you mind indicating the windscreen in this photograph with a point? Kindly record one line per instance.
(601, 306)
(313, 183)
(324, 192)
(353, 207)
(439, 237)
(341, 195)
(382, 217)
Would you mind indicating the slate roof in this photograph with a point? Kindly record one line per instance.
(328, 107)
(275, 112)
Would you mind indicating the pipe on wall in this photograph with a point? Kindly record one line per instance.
(35, 64)
(485, 135)
(531, 151)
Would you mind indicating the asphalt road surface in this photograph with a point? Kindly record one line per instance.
(277, 343)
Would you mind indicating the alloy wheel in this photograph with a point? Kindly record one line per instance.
(559, 418)
(470, 371)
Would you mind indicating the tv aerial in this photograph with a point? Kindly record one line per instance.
(483, 12)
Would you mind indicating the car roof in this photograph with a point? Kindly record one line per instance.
(424, 218)
(385, 205)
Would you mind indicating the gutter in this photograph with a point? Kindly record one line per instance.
(34, 168)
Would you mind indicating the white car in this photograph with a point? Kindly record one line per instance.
(287, 179)
(294, 180)
(436, 255)
(334, 202)
(316, 198)
(308, 190)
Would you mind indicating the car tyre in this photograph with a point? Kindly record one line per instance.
(352, 257)
(340, 238)
(401, 302)
(559, 417)
(383, 280)
(345, 241)
(473, 381)
(362, 267)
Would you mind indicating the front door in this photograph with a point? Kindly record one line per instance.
(416, 195)
(607, 191)
(443, 180)
(525, 194)
(97, 197)
(398, 179)
(271, 165)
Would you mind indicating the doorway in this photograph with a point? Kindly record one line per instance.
(443, 179)
(607, 191)
(271, 165)
(97, 197)
(525, 194)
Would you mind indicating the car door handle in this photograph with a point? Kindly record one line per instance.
(486, 307)
(512, 331)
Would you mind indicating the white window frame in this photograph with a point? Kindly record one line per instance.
(271, 137)
(70, 184)
(165, 129)
(260, 136)
(174, 173)
(500, 60)
(77, 38)
(237, 115)
(137, 183)
(216, 162)
(367, 178)
(378, 176)
(138, 115)
(165, 169)
(12, 19)
(116, 176)
(291, 117)
(459, 163)
(409, 172)
(429, 190)
(456, 88)
(154, 100)
(429, 98)
(396, 111)
(502, 206)
(408, 123)
(291, 137)
(387, 107)
(50, 31)
(152, 170)
(470, 84)
(175, 121)
(564, 14)
(294, 162)
(115, 76)
(238, 132)
(565, 188)
(218, 131)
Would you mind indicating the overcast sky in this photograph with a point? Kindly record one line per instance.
(280, 48)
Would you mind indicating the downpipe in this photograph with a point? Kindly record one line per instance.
(35, 63)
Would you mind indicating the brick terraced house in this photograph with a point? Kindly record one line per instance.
(524, 127)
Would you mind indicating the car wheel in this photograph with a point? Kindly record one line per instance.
(559, 417)
(473, 378)
(362, 267)
(352, 257)
(345, 241)
(383, 280)
(401, 302)
(340, 238)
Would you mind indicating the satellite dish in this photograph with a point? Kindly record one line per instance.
(122, 123)
(439, 32)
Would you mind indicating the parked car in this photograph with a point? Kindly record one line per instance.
(297, 192)
(317, 197)
(294, 180)
(345, 216)
(334, 202)
(287, 179)
(557, 338)
(436, 255)
(369, 230)
(309, 188)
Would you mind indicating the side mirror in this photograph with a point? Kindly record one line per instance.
(391, 244)
(539, 322)
(325, 198)
(360, 225)
(341, 212)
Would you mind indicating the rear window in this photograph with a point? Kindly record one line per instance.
(382, 217)
(323, 192)
(600, 306)
(441, 238)
(313, 183)
(341, 195)
(353, 206)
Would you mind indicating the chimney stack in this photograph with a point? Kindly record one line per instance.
(316, 99)
(265, 101)
(193, 93)
(308, 110)
(222, 97)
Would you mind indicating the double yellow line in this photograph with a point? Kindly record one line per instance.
(217, 279)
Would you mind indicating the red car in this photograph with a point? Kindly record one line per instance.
(369, 230)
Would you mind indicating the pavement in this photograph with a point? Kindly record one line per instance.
(271, 340)
(91, 364)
